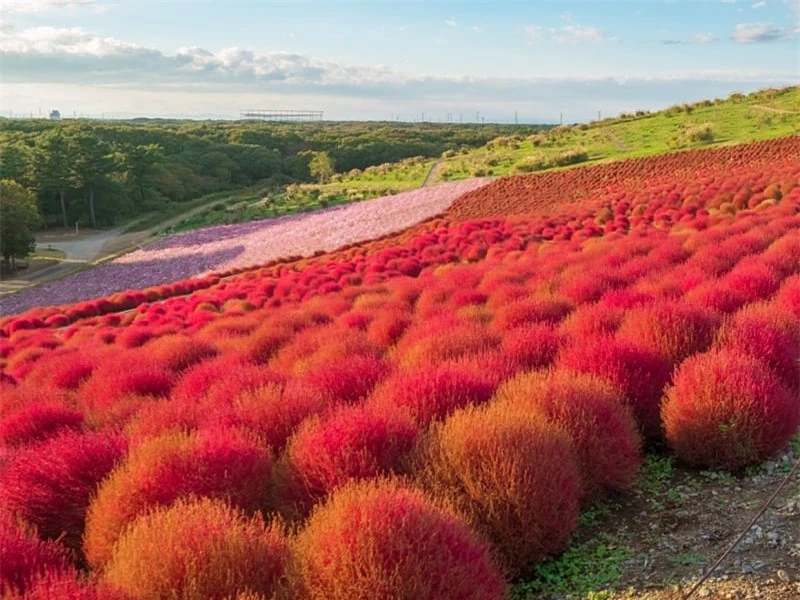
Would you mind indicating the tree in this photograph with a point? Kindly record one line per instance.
(321, 166)
(93, 164)
(53, 166)
(15, 163)
(142, 164)
(19, 216)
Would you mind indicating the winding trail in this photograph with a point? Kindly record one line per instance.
(430, 178)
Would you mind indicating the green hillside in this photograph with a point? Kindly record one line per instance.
(762, 115)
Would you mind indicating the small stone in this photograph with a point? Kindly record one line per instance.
(703, 592)
(773, 537)
(783, 575)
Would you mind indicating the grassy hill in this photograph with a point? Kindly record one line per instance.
(762, 115)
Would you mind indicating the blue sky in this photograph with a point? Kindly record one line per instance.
(376, 60)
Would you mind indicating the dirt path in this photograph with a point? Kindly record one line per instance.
(430, 179)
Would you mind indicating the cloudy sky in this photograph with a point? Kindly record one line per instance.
(398, 59)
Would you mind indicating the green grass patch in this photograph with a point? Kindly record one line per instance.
(582, 569)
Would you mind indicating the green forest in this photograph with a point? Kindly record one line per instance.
(98, 173)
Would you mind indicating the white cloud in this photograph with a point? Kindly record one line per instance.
(760, 4)
(477, 29)
(728, 1)
(576, 34)
(750, 33)
(73, 40)
(533, 33)
(31, 6)
(451, 22)
(113, 74)
(704, 37)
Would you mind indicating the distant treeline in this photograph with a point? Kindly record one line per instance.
(98, 172)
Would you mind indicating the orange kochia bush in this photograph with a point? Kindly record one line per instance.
(380, 540)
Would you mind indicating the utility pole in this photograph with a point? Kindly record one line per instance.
(599, 115)
(562, 118)
(516, 119)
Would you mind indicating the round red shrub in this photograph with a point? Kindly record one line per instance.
(769, 333)
(220, 463)
(65, 370)
(788, 295)
(634, 370)
(727, 410)
(222, 379)
(433, 392)
(179, 352)
(353, 442)
(378, 540)
(271, 412)
(50, 484)
(531, 310)
(198, 549)
(25, 558)
(346, 378)
(672, 329)
(603, 430)
(508, 470)
(531, 346)
(141, 375)
(35, 422)
(590, 320)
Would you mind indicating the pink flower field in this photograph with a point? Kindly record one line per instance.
(224, 247)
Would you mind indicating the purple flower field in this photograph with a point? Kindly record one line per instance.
(223, 247)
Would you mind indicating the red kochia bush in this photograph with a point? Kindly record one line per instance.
(381, 541)
(198, 549)
(636, 371)
(768, 333)
(513, 475)
(789, 295)
(675, 330)
(602, 428)
(66, 586)
(433, 392)
(353, 442)
(40, 416)
(727, 410)
(346, 378)
(531, 346)
(131, 372)
(49, 485)
(25, 558)
(222, 379)
(216, 463)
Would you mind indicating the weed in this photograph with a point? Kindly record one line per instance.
(583, 569)
(594, 513)
(686, 559)
(655, 474)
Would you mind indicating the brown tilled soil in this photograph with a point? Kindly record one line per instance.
(674, 528)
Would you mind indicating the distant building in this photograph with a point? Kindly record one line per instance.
(55, 115)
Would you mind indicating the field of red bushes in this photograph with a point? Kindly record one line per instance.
(421, 416)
